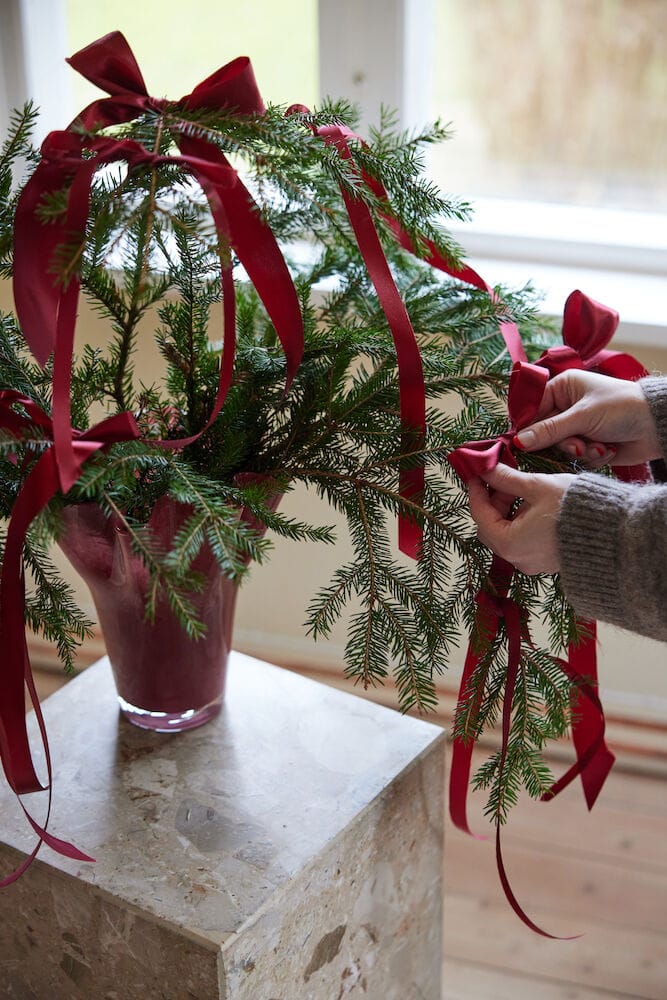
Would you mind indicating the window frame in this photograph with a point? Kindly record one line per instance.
(33, 44)
(618, 256)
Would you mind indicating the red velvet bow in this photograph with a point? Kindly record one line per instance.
(47, 311)
(588, 326)
(40, 486)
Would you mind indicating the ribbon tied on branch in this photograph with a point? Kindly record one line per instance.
(47, 310)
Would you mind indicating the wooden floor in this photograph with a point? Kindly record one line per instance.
(602, 875)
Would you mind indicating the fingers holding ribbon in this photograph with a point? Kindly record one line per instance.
(528, 539)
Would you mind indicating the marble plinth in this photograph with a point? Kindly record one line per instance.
(289, 850)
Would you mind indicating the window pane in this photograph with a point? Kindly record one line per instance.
(179, 45)
(558, 100)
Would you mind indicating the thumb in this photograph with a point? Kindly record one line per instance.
(550, 431)
(510, 481)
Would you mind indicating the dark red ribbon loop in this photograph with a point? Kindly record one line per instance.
(588, 326)
(594, 760)
(526, 388)
(233, 86)
(475, 458)
(109, 63)
(41, 484)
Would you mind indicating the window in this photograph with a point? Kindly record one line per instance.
(559, 109)
(564, 101)
(549, 101)
(180, 46)
(560, 114)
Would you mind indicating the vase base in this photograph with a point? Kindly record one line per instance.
(169, 722)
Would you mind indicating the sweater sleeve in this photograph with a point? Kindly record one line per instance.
(613, 542)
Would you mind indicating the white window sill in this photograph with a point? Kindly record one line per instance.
(640, 299)
(617, 257)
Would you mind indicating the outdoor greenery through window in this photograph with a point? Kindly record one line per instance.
(562, 101)
(179, 46)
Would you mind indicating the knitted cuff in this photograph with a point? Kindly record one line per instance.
(655, 390)
(590, 524)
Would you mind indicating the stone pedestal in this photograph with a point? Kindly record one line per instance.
(290, 849)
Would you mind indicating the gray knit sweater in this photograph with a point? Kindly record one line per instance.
(613, 542)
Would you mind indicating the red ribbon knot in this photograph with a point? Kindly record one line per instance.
(526, 388)
(587, 328)
(499, 608)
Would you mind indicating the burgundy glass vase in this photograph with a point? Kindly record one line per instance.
(165, 681)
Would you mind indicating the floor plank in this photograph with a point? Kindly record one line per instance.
(472, 981)
(593, 890)
(619, 960)
(603, 874)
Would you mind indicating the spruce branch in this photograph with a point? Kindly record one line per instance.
(151, 256)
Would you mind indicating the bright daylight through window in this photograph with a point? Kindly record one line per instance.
(558, 110)
(564, 101)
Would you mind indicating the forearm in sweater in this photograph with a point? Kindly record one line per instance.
(613, 542)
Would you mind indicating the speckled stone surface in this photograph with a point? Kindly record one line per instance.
(289, 850)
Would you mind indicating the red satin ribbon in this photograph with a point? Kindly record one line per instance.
(410, 372)
(40, 486)
(587, 329)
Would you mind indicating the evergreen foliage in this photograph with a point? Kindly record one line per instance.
(151, 258)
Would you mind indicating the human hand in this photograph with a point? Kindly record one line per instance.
(595, 418)
(528, 540)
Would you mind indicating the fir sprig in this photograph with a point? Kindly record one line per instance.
(150, 259)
